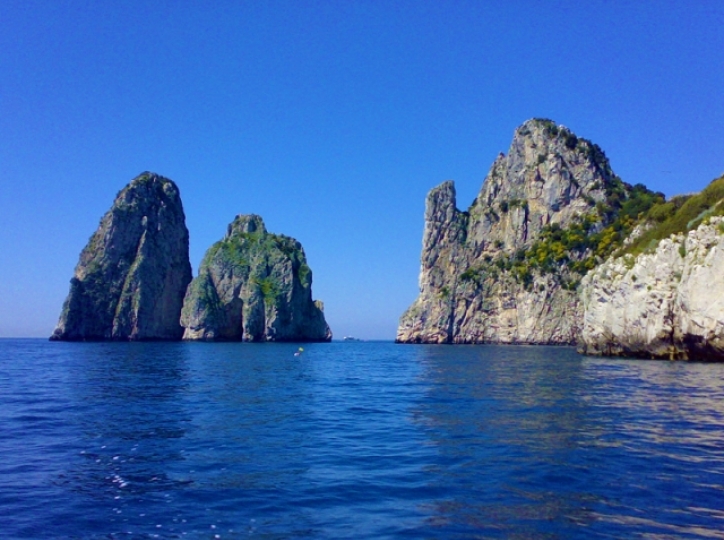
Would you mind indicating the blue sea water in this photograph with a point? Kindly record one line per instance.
(355, 440)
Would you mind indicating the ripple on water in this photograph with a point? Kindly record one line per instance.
(363, 440)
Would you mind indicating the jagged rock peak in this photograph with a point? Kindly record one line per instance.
(131, 277)
(478, 270)
(549, 176)
(245, 224)
(253, 286)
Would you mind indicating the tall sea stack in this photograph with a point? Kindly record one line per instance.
(253, 286)
(130, 281)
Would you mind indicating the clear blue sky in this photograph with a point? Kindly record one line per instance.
(331, 119)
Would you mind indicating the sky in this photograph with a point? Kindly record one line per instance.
(330, 119)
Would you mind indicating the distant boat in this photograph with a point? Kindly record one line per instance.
(350, 338)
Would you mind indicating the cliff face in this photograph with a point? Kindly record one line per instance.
(131, 278)
(253, 286)
(495, 273)
(665, 304)
(549, 176)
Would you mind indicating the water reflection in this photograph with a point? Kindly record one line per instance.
(666, 420)
(537, 441)
(687, 399)
(502, 420)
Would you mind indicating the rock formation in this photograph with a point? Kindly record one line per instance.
(131, 278)
(253, 286)
(506, 270)
(664, 304)
(556, 249)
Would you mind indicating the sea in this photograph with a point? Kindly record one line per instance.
(355, 440)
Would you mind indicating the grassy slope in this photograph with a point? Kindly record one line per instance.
(680, 215)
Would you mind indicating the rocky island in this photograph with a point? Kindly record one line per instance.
(253, 286)
(130, 281)
(134, 277)
(557, 249)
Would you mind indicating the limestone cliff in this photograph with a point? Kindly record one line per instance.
(131, 278)
(507, 269)
(662, 303)
(253, 286)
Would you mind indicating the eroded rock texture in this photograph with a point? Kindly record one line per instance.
(665, 304)
(253, 286)
(469, 291)
(132, 275)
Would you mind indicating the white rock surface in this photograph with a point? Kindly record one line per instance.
(665, 304)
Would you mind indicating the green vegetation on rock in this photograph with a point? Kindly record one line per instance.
(549, 214)
(680, 215)
(584, 244)
(253, 286)
(269, 288)
(568, 253)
